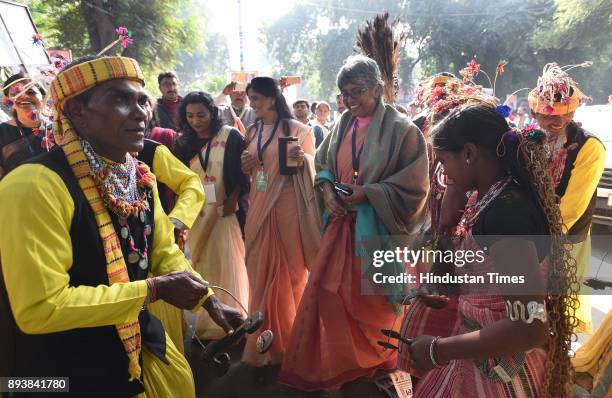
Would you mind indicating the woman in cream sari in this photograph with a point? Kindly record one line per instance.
(282, 231)
(213, 151)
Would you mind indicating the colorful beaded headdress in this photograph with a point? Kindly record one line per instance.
(556, 93)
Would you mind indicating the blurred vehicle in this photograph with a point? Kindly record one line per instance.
(597, 119)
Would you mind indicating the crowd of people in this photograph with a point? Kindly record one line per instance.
(281, 206)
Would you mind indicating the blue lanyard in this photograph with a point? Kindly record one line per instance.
(356, 155)
(260, 150)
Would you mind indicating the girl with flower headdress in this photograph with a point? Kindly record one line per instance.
(577, 160)
(513, 340)
(435, 312)
(27, 134)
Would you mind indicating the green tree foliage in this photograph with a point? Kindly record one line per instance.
(313, 39)
(161, 29)
(316, 36)
(580, 30)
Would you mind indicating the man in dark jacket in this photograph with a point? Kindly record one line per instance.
(166, 109)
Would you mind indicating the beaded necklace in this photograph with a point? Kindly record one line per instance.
(125, 189)
(471, 213)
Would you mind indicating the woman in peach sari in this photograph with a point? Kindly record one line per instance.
(282, 231)
(380, 155)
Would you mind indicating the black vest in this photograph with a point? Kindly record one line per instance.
(147, 155)
(576, 138)
(93, 358)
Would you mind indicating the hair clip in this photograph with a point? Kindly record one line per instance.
(503, 110)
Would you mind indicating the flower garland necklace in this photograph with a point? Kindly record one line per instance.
(123, 186)
(472, 212)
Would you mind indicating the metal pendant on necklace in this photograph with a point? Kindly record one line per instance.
(143, 263)
(133, 257)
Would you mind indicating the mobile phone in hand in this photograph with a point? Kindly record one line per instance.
(343, 189)
(286, 166)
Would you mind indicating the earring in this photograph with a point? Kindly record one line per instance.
(467, 161)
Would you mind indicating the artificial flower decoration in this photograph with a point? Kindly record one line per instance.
(37, 39)
(125, 36)
(503, 110)
(556, 92)
(530, 127)
(500, 67)
(534, 134)
(473, 67)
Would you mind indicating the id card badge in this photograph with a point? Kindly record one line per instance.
(261, 181)
(209, 192)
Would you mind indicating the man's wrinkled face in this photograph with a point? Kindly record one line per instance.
(169, 88)
(300, 110)
(114, 118)
(554, 124)
(239, 99)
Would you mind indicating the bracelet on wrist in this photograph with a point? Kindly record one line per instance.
(433, 355)
(152, 291)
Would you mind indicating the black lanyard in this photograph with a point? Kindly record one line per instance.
(356, 155)
(260, 150)
(204, 161)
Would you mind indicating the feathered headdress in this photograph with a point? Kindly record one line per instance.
(380, 41)
(556, 93)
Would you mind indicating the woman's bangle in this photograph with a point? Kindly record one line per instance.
(432, 353)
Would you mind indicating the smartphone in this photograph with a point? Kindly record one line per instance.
(286, 166)
(290, 145)
(342, 189)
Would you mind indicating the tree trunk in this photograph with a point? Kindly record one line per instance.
(100, 24)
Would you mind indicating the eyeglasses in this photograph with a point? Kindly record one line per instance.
(354, 94)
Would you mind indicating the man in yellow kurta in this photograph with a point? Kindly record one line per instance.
(83, 231)
(578, 161)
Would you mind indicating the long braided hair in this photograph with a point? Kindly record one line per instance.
(523, 156)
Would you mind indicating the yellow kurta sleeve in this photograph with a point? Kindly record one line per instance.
(182, 181)
(166, 256)
(36, 212)
(588, 169)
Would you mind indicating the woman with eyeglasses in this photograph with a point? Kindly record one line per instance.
(282, 232)
(379, 158)
(27, 134)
